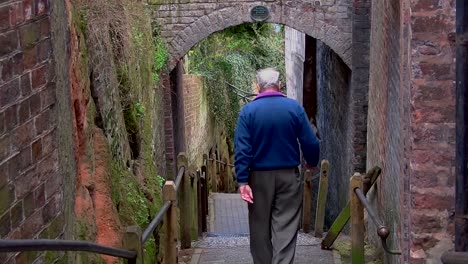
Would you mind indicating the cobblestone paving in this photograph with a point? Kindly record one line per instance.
(228, 241)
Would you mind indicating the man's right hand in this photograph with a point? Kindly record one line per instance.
(246, 193)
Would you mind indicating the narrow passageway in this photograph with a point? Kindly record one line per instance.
(228, 238)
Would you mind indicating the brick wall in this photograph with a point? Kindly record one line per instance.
(30, 186)
(388, 119)
(184, 24)
(411, 124)
(432, 124)
(199, 137)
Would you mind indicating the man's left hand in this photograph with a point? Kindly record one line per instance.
(246, 193)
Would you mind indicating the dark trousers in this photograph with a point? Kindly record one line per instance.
(275, 215)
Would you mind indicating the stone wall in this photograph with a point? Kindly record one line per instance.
(411, 125)
(184, 24)
(333, 93)
(31, 195)
(294, 59)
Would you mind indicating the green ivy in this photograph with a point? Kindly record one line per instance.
(229, 61)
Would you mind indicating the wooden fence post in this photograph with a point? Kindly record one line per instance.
(321, 199)
(357, 221)
(307, 203)
(170, 224)
(132, 241)
(185, 209)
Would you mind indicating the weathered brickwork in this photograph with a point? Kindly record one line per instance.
(198, 132)
(185, 24)
(432, 124)
(411, 124)
(30, 186)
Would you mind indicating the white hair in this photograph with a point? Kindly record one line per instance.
(267, 77)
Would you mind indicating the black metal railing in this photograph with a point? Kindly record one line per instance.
(382, 230)
(134, 239)
(19, 245)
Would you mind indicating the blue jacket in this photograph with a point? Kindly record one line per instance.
(268, 134)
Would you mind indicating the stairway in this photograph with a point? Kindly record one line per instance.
(227, 240)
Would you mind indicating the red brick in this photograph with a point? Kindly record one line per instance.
(44, 26)
(25, 160)
(4, 18)
(42, 7)
(44, 122)
(11, 117)
(26, 182)
(39, 196)
(426, 223)
(48, 96)
(35, 104)
(26, 84)
(28, 9)
(39, 76)
(432, 201)
(7, 196)
(425, 5)
(8, 42)
(2, 123)
(5, 226)
(52, 208)
(53, 185)
(433, 24)
(16, 214)
(16, 14)
(5, 147)
(29, 34)
(13, 167)
(24, 112)
(24, 134)
(44, 50)
(48, 166)
(3, 174)
(439, 72)
(29, 203)
(9, 92)
(48, 143)
(12, 67)
(32, 225)
(36, 148)
(30, 57)
(443, 113)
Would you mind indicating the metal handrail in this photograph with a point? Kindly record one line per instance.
(156, 221)
(221, 162)
(452, 257)
(179, 177)
(18, 245)
(382, 231)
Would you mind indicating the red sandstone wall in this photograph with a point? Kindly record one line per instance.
(30, 186)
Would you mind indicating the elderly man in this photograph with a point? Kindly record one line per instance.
(267, 157)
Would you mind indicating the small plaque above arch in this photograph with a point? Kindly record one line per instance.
(259, 13)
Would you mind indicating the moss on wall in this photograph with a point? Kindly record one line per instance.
(118, 61)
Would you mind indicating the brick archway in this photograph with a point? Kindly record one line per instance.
(184, 25)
